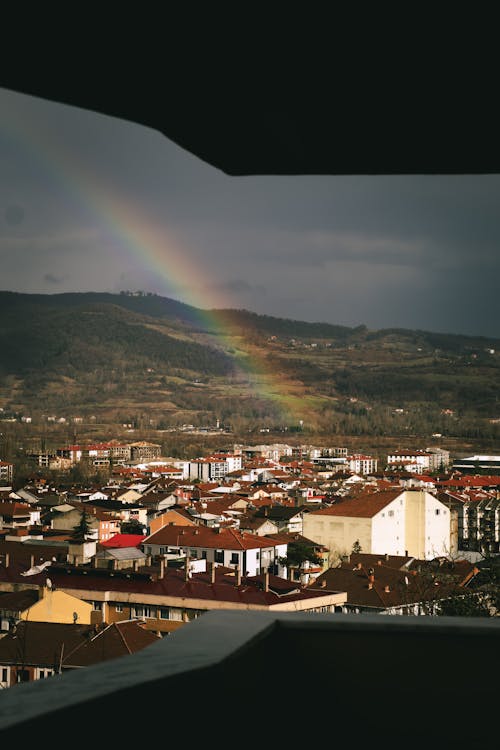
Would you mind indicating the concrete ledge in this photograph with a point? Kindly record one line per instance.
(235, 665)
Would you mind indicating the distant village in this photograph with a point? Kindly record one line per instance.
(92, 572)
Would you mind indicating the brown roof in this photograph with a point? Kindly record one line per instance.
(15, 508)
(391, 587)
(366, 505)
(18, 601)
(40, 643)
(53, 644)
(201, 536)
(200, 587)
(118, 639)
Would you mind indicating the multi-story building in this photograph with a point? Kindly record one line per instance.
(412, 522)
(417, 461)
(6, 471)
(144, 451)
(251, 553)
(360, 464)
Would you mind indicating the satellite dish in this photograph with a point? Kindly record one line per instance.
(48, 583)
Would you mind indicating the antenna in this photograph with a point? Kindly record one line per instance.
(48, 583)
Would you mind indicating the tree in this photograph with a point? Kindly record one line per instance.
(82, 529)
(298, 553)
(131, 527)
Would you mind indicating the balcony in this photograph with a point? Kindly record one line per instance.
(402, 681)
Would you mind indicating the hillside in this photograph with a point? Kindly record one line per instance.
(122, 358)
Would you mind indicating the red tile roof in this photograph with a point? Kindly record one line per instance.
(124, 540)
(201, 536)
(363, 506)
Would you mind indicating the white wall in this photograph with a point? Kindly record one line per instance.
(388, 529)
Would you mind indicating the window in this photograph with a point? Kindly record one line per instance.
(97, 606)
(437, 511)
(219, 556)
(5, 674)
(164, 613)
(235, 558)
(119, 608)
(390, 513)
(193, 553)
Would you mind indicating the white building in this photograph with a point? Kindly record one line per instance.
(394, 522)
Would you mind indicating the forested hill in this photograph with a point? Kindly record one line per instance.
(120, 354)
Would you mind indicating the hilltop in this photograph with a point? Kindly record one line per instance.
(126, 357)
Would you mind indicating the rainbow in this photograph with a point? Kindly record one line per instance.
(134, 237)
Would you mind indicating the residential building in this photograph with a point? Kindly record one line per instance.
(165, 597)
(411, 522)
(144, 451)
(396, 585)
(6, 472)
(50, 648)
(228, 547)
(361, 464)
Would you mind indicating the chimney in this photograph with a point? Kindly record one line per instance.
(387, 556)
(358, 566)
(134, 565)
(212, 572)
(32, 561)
(323, 583)
(7, 560)
(162, 567)
(186, 569)
(387, 589)
(379, 562)
(238, 576)
(266, 580)
(370, 584)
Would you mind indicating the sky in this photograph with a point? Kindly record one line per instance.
(93, 203)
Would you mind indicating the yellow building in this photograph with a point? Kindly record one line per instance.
(57, 606)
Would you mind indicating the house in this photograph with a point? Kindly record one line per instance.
(166, 597)
(119, 558)
(253, 524)
(396, 585)
(17, 515)
(229, 547)
(175, 516)
(286, 518)
(37, 650)
(101, 523)
(121, 541)
(129, 495)
(408, 522)
(57, 606)
(13, 604)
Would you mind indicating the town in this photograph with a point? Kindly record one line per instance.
(269, 527)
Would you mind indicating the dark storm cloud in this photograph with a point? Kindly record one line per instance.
(418, 251)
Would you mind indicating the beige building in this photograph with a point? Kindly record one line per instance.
(58, 606)
(412, 522)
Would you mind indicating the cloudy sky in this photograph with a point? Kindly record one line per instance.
(91, 203)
